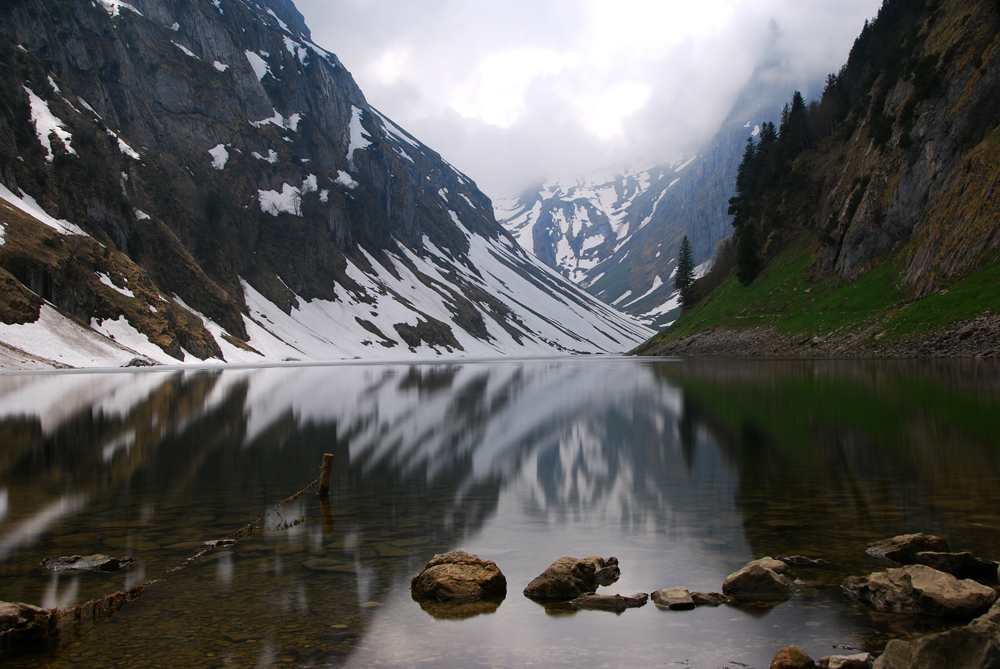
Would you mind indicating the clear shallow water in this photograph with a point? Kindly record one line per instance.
(682, 470)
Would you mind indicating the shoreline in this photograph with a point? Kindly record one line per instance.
(977, 337)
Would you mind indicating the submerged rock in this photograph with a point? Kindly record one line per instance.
(675, 599)
(960, 565)
(567, 578)
(921, 590)
(802, 561)
(761, 580)
(792, 658)
(24, 627)
(459, 577)
(94, 562)
(904, 548)
(616, 603)
(973, 646)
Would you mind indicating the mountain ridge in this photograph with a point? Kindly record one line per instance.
(215, 156)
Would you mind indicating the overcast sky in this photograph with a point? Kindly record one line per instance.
(512, 92)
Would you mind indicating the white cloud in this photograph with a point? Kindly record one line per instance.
(513, 92)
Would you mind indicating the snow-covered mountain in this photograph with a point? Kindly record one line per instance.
(200, 181)
(616, 232)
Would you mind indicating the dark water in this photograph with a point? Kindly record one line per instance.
(682, 470)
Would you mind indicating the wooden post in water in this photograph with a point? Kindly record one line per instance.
(324, 478)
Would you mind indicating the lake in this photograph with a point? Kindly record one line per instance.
(682, 469)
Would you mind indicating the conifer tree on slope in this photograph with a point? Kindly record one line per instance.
(685, 270)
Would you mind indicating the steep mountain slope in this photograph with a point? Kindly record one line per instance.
(869, 224)
(200, 180)
(617, 232)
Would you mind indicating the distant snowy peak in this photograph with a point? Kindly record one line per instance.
(583, 226)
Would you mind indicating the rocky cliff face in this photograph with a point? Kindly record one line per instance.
(874, 221)
(211, 160)
(931, 184)
(617, 232)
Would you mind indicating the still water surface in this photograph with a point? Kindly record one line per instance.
(684, 470)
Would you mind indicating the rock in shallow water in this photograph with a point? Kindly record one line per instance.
(459, 577)
(921, 590)
(616, 603)
(974, 646)
(960, 565)
(567, 578)
(94, 562)
(904, 548)
(792, 658)
(675, 599)
(762, 580)
(24, 627)
(856, 661)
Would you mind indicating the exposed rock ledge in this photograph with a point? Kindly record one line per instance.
(976, 337)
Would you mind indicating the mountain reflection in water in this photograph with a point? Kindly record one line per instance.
(684, 470)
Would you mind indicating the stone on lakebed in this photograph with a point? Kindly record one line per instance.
(459, 577)
(761, 580)
(567, 578)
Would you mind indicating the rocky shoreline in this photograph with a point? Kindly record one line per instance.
(977, 337)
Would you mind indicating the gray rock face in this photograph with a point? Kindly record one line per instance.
(567, 578)
(96, 562)
(459, 577)
(974, 646)
(904, 548)
(920, 589)
(616, 603)
(761, 580)
(24, 627)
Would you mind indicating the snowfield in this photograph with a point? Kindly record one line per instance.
(547, 315)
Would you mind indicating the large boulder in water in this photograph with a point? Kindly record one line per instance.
(459, 577)
(762, 580)
(567, 578)
(920, 589)
(973, 646)
(24, 627)
(904, 548)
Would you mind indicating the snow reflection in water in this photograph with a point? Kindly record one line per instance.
(684, 471)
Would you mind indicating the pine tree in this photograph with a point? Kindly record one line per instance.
(685, 270)
(748, 263)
